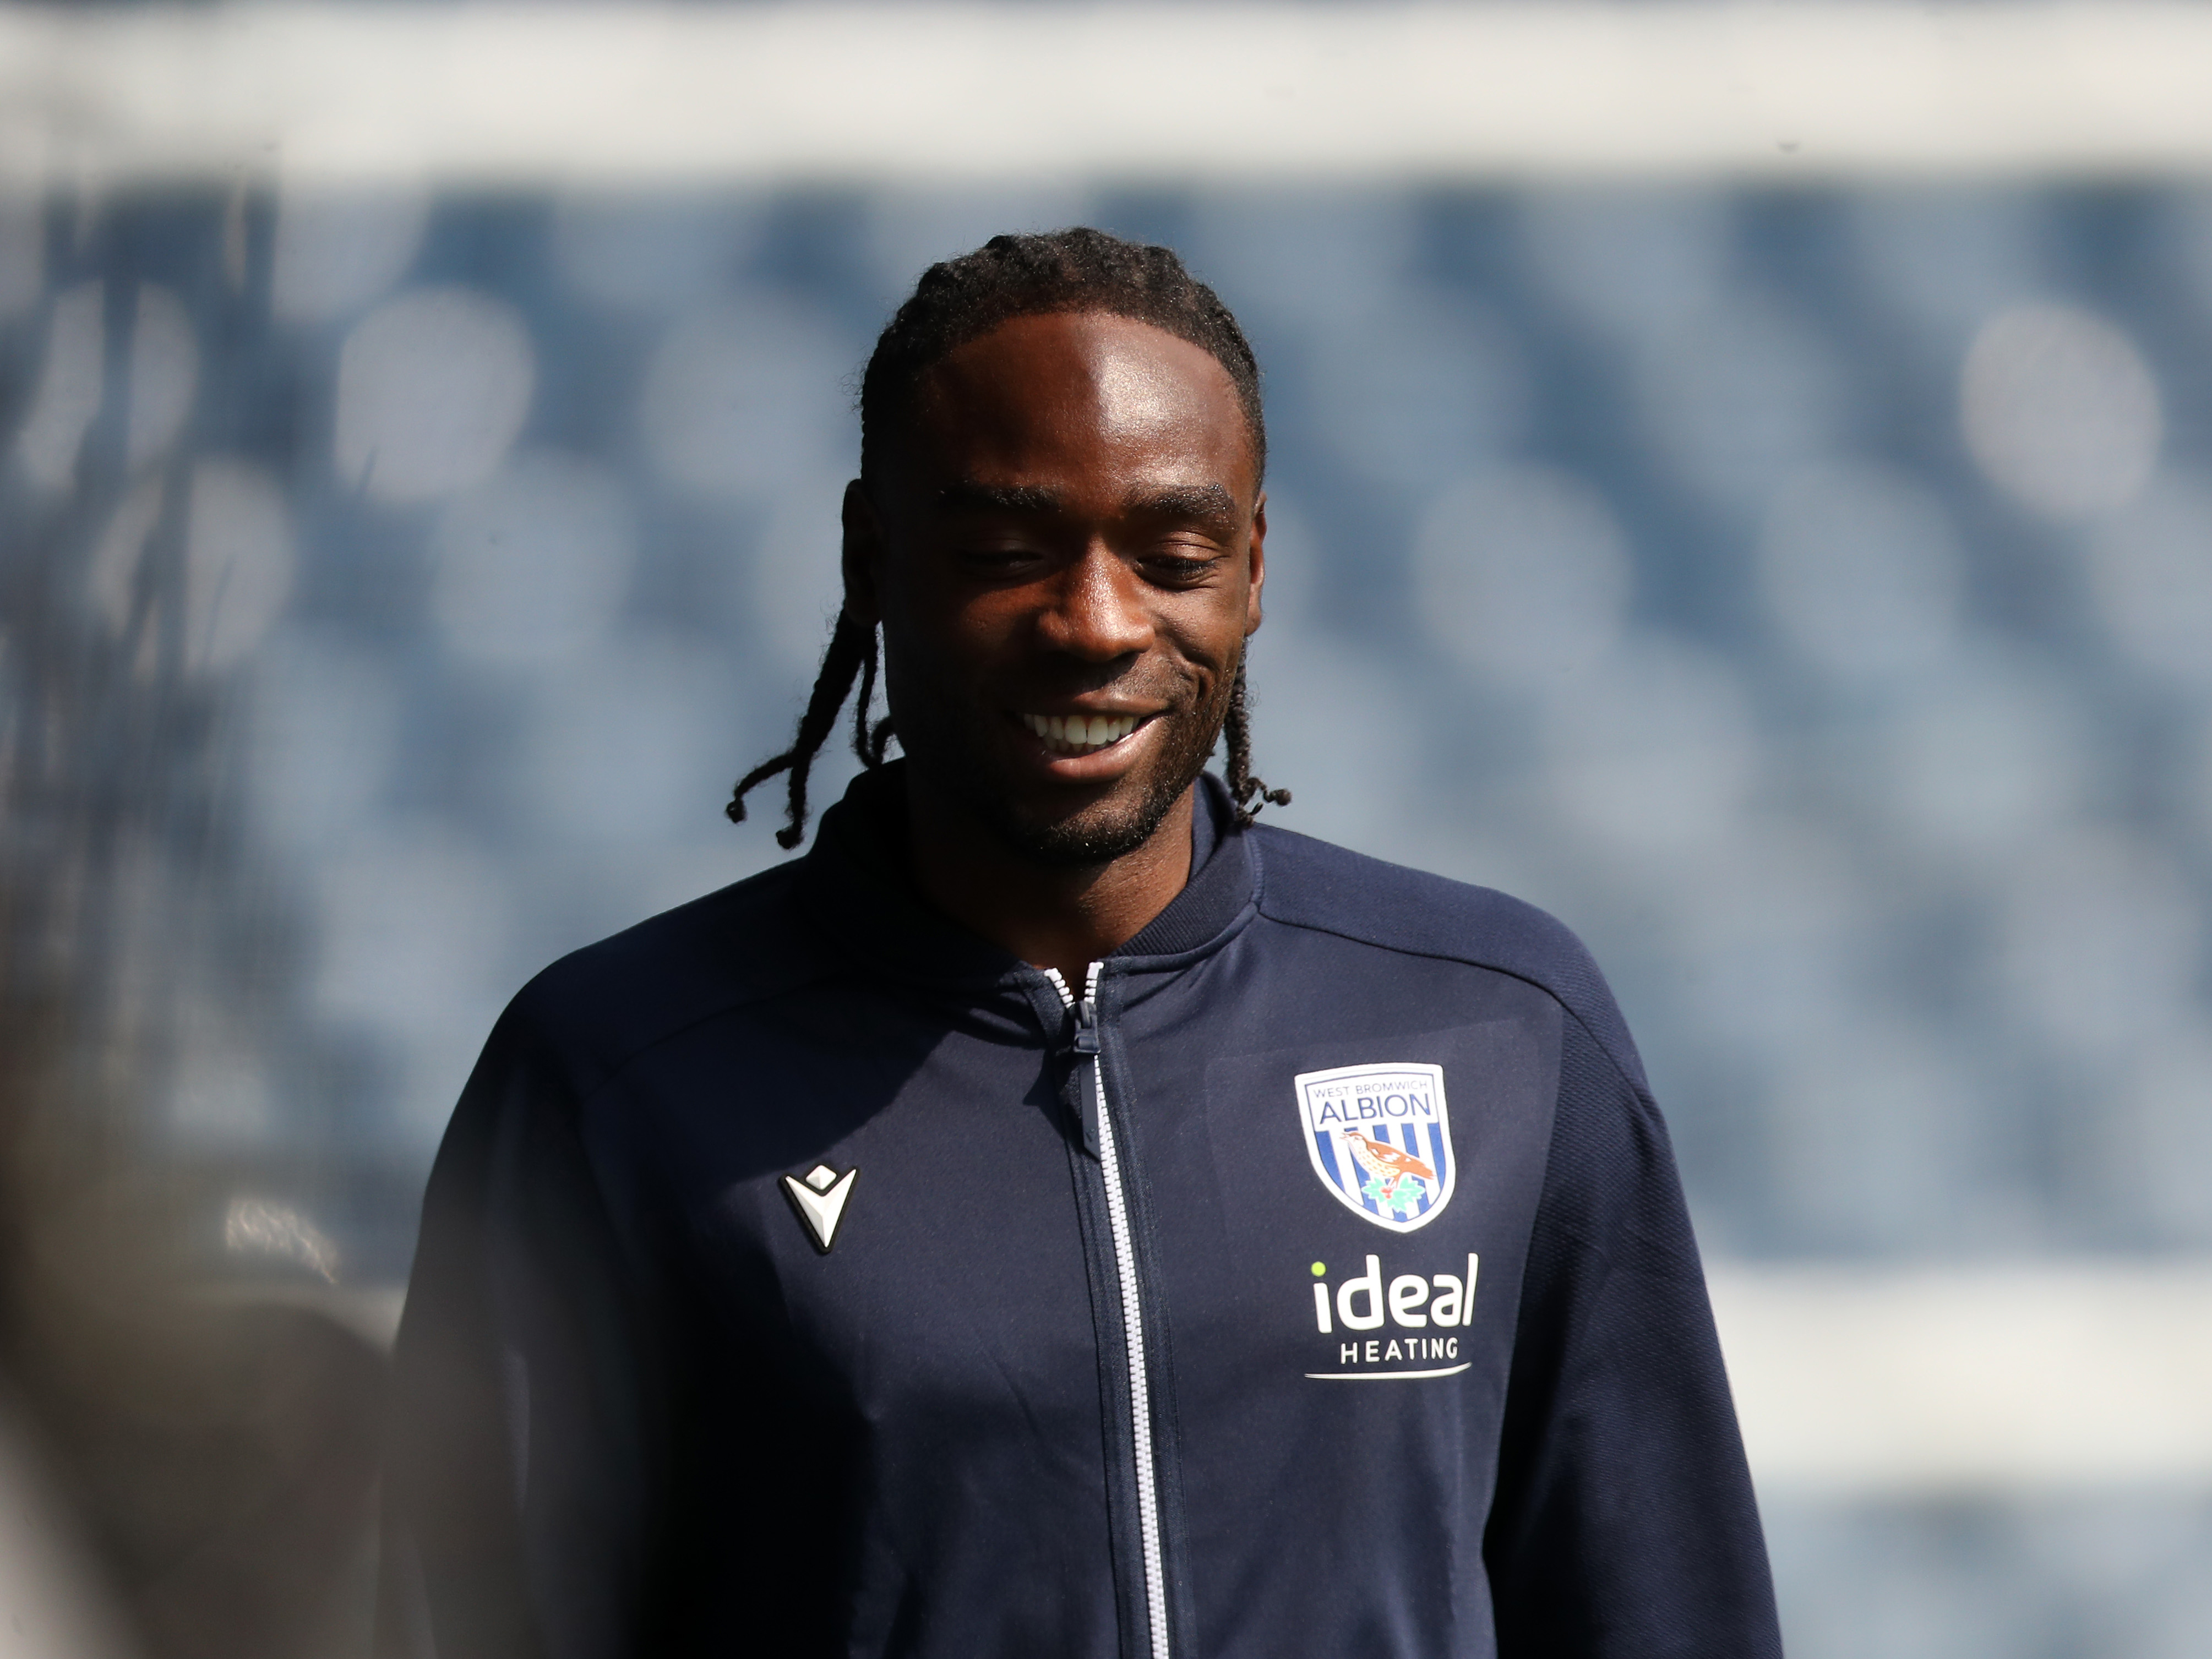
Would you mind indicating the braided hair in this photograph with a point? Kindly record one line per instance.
(962, 300)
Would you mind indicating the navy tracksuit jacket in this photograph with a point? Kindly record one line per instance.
(1319, 1285)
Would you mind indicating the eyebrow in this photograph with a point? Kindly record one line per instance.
(1205, 503)
(967, 496)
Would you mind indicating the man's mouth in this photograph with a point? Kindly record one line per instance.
(1082, 734)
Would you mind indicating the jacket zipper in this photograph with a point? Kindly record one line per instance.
(1133, 1321)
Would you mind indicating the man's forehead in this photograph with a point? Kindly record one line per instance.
(1135, 367)
(1081, 381)
(1202, 501)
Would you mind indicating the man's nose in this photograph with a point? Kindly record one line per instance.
(1099, 612)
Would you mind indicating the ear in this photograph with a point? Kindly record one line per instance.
(862, 556)
(1258, 567)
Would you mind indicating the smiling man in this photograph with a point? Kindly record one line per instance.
(1064, 555)
(1056, 1216)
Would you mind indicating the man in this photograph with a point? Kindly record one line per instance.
(1054, 1216)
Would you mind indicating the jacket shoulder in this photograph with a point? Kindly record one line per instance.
(598, 1006)
(1306, 883)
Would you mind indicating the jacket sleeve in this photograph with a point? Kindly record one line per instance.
(1624, 1522)
(525, 1468)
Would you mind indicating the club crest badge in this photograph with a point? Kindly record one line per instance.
(1380, 1138)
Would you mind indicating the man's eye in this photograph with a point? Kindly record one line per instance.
(1181, 569)
(987, 558)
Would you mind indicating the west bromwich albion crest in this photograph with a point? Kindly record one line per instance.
(1380, 1140)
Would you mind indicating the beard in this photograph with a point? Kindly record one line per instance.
(1114, 827)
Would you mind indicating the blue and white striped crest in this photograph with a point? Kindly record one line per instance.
(1380, 1140)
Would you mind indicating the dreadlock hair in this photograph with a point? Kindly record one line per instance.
(1249, 791)
(851, 654)
(964, 298)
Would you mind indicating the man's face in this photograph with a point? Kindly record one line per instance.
(1064, 553)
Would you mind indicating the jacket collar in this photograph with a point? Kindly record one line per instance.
(856, 881)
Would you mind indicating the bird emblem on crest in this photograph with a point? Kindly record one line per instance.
(1396, 1180)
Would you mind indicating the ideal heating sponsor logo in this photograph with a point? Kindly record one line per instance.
(1420, 1318)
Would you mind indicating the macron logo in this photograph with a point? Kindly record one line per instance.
(820, 1201)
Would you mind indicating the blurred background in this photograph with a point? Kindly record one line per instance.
(1741, 479)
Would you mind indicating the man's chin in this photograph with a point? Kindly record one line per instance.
(1096, 834)
(1058, 826)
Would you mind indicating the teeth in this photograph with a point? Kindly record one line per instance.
(1078, 734)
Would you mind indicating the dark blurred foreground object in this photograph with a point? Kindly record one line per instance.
(219, 1448)
(53, 1604)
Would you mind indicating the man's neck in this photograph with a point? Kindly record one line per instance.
(1062, 918)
